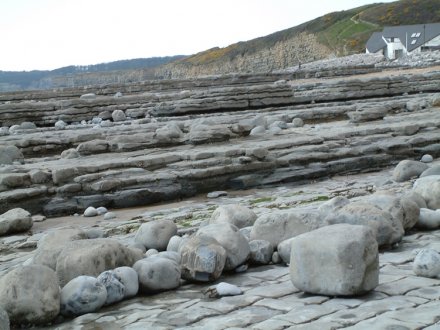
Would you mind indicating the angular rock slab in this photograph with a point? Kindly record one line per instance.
(30, 295)
(337, 260)
(276, 227)
(203, 259)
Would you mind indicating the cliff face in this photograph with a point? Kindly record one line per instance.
(302, 48)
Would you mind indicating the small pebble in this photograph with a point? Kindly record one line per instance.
(427, 159)
(109, 216)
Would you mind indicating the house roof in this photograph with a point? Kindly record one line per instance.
(375, 43)
(412, 36)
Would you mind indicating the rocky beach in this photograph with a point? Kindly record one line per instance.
(298, 199)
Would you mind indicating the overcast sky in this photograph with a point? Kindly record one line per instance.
(48, 34)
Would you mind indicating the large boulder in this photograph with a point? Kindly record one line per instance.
(434, 170)
(92, 257)
(392, 204)
(284, 249)
(10, 154)
(235, 214)
(14, 221)
(129, 278)
(229, 236)
(81, 295)
(408, 169)
(30, 295)
(276, 227)
(361, 213)
(51, 245)
(411, 209)
(429, 219)
(337, 260)
(429, 188)
(203, 259)
(261, 252)
(113, 285)
(157, 274)
(156, 234)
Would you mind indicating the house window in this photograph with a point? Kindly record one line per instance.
(413, 42)
(392, 39)
(418, 34)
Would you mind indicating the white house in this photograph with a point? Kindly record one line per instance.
(399, 41)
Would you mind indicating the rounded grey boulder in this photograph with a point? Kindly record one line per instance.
(156, 234)
(427, 263)
(428, 219)
(228, 236)
(235, 214)
(10, 154)
(30, 295)
(408, 169)
(90, 212)
(434, 170)
(15, 220)
(115, 289)
(261, 252)
(284, 249)
(118, 115)
(429, 188)
(157, 274)
(427, 159)
(129, 278)
(362, 213)
(83, 294)
(297, 122)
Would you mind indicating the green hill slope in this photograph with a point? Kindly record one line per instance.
(343, 32)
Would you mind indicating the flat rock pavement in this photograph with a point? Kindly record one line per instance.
(402, 300)
(270, 301)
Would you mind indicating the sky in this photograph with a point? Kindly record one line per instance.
(48, 34)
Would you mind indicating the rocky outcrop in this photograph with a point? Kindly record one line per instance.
(302, 48)
(183, 137)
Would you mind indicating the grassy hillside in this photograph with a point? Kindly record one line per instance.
(344, 32)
